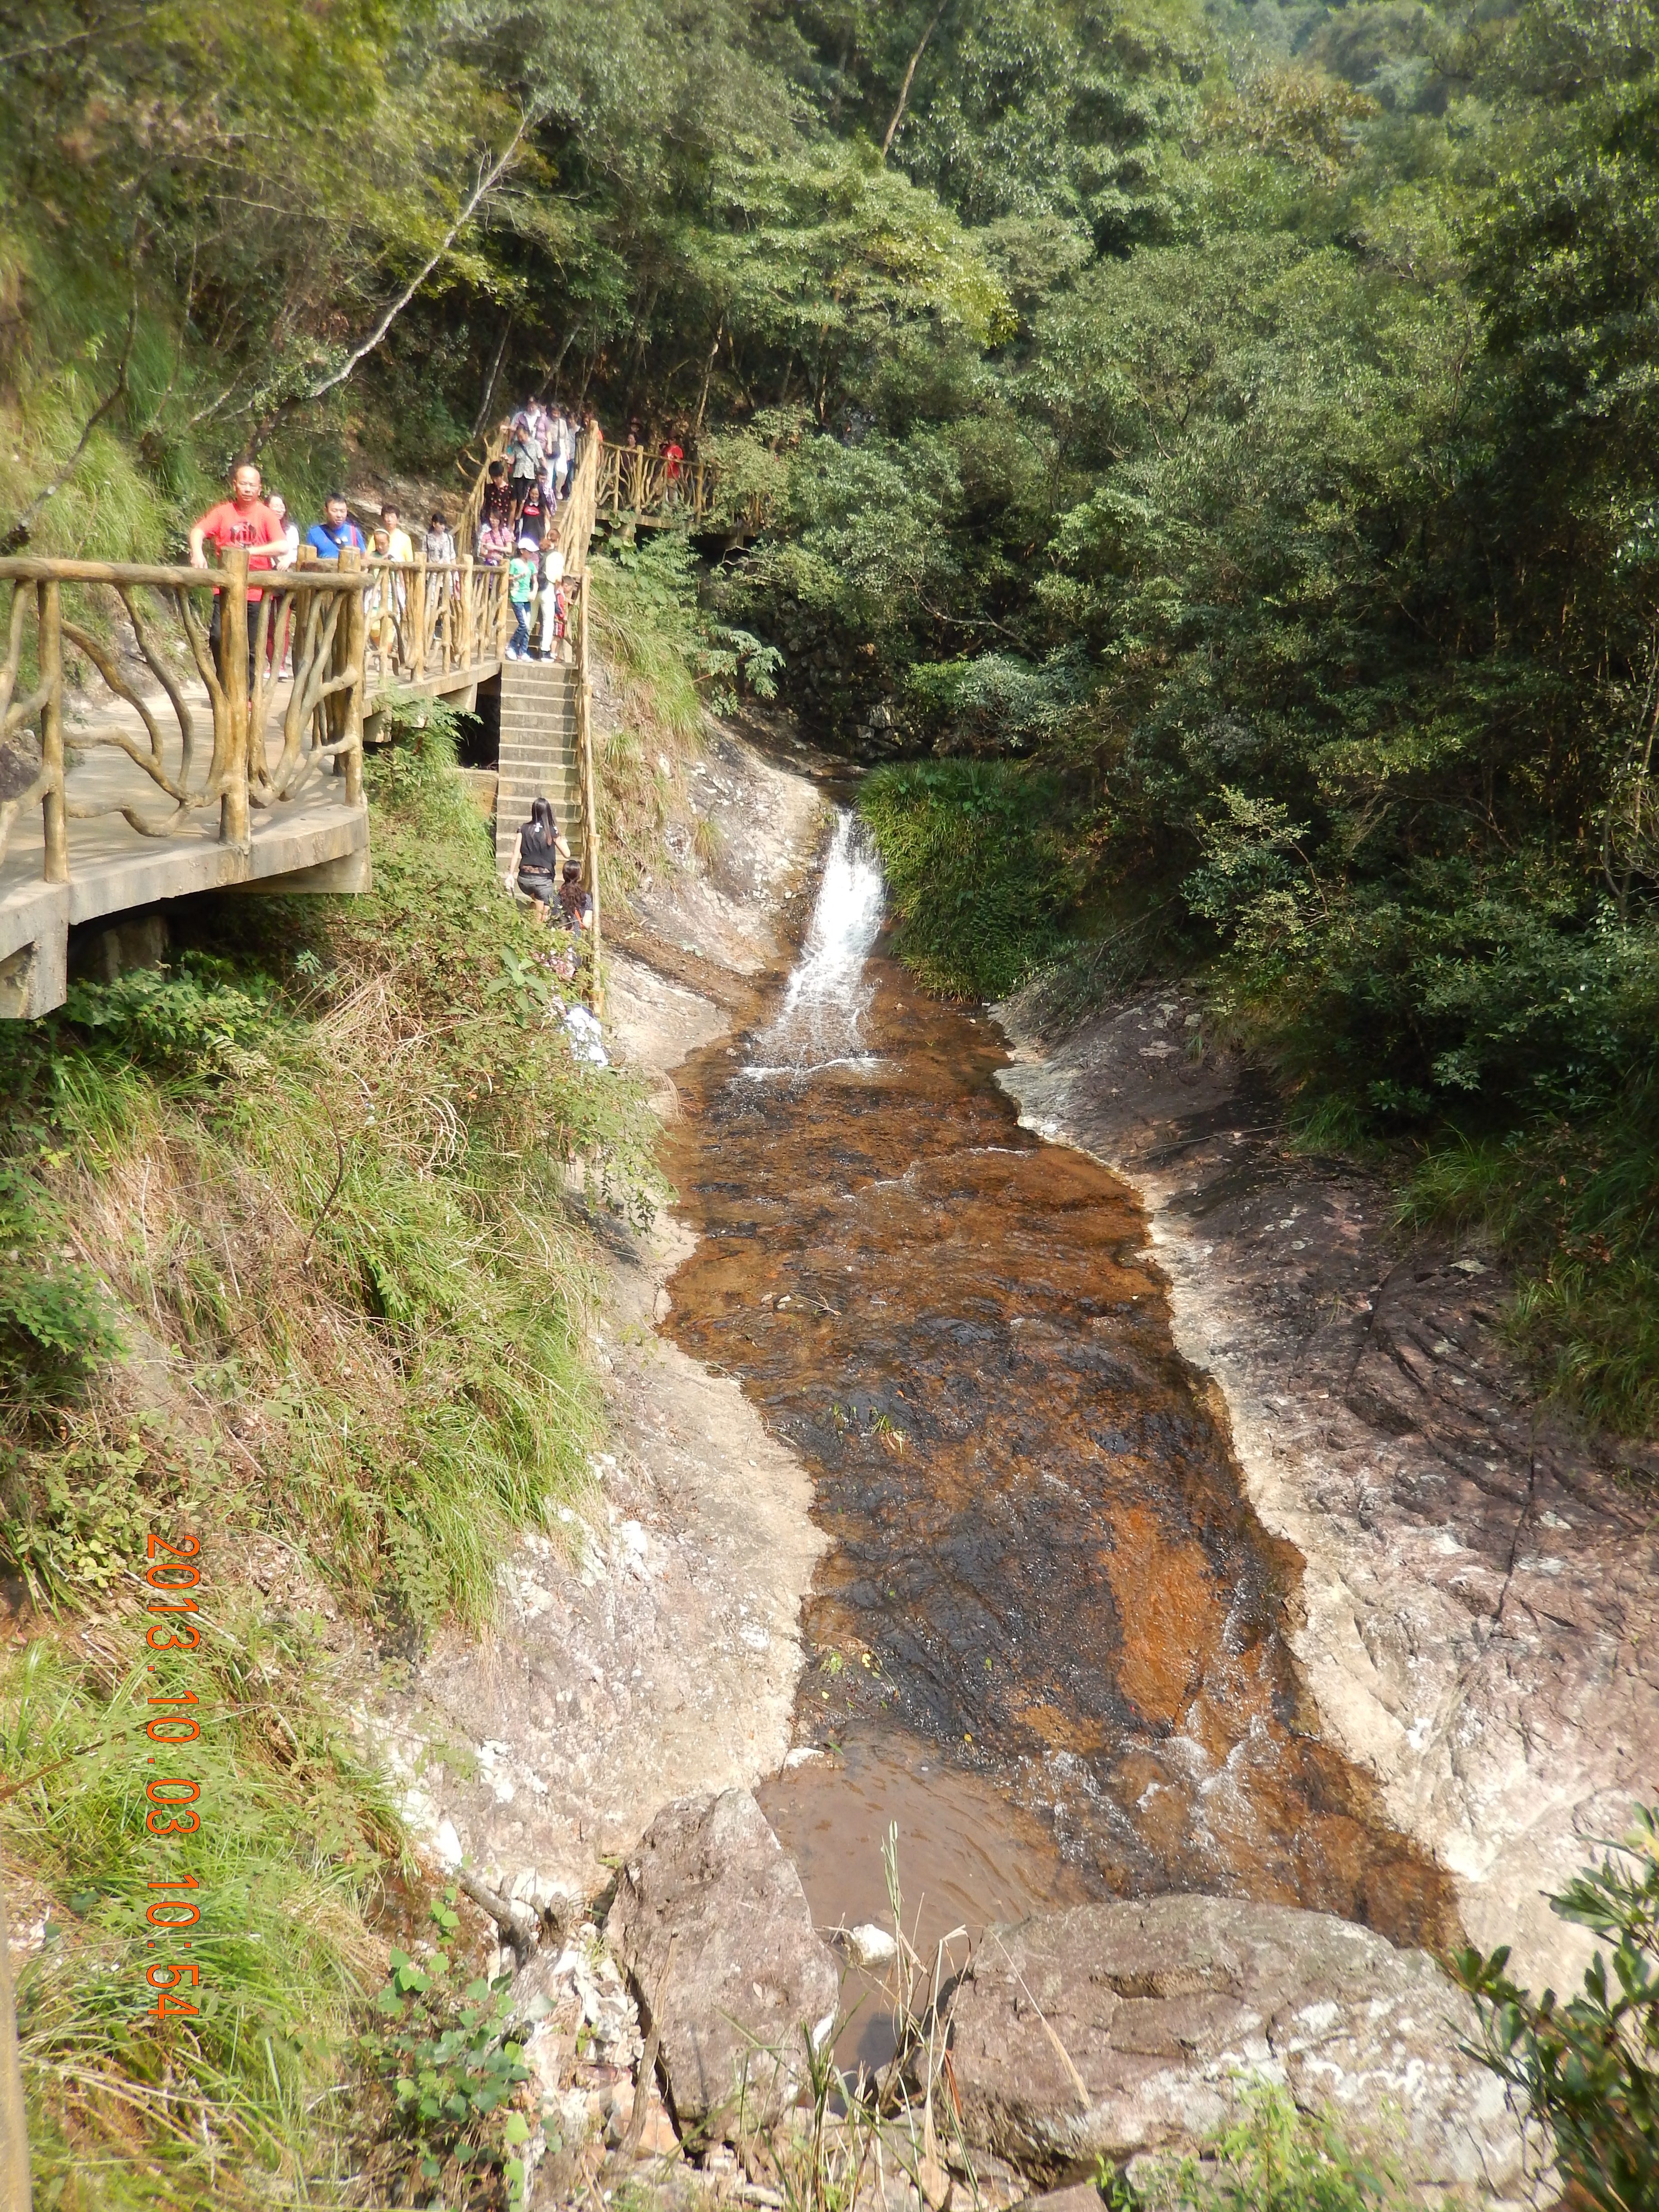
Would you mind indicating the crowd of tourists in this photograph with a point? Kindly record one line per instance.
(258, 521)
(542, 871)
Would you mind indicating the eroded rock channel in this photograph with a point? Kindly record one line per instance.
(1047, 1637)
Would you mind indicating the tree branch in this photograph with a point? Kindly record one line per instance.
(909, 77)
(488, 179)
(494, 372)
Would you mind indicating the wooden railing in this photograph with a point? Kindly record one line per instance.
(207, 740)
(475, 462)
(209, 710)
(588, 770)
(427, 619)
(580, 508)
(167, 612)
(655, 487)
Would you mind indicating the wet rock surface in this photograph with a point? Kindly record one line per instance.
(1477, 1617)
(1115, 2030)
(649, 1645)
(713, 1926)
(1043, 1578)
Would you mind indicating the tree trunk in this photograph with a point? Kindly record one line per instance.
(491, 379)
(702, 397)
(909, 77)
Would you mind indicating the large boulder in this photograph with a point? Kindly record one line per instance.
(1117, 2029)
(750, 1977)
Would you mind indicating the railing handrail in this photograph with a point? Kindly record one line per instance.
(41, 570)
(438, 619)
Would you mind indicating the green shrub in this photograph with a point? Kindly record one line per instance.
(56, 1326)
(452, 2068)
(976, 871)
(1589, 2067)
(1274, 2159)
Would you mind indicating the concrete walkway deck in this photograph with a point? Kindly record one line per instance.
(309, 842)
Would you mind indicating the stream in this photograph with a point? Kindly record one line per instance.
(1046, 1641)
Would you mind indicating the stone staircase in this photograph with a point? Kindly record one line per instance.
(538, 754)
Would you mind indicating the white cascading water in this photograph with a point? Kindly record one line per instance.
(818, 1025)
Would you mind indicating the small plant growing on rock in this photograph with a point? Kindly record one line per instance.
(1590, 2067)
(1274, 2159)
(453, 2070)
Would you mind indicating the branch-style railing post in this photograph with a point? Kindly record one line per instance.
(234, 683)
(467, 656)
(590, 788)
(502, 598)
(354, 624)
(54, 801)
(417, 668)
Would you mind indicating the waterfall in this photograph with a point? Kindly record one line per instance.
(826, 995)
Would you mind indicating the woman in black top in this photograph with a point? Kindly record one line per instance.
(532, 513)
(541, 848)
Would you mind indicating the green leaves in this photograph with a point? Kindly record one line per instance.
(451, 2067)
(56, 1323)
(1590, 2067)
(978, 877)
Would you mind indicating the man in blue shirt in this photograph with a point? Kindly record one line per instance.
(337, 530)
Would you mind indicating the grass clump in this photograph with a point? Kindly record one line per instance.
(978, 877)
(296, 1842)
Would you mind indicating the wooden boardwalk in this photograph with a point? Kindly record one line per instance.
(182, 762)
(158, 780)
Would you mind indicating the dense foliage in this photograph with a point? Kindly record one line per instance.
(974, 868)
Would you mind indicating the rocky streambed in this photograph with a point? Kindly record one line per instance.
(1084, 1687)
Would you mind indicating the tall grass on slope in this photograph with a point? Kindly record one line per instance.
(245, 2100)
(306, 1269)
(335, 1196)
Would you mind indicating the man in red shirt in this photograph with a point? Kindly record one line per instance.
(242, 520)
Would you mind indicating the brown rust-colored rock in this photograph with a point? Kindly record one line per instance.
(749, 1978)
(1117, 2029)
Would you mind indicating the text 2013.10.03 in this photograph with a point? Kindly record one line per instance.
(173, 1798)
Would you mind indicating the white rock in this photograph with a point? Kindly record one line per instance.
(868, 1944)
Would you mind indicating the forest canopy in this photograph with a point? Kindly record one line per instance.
(1239, 419)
